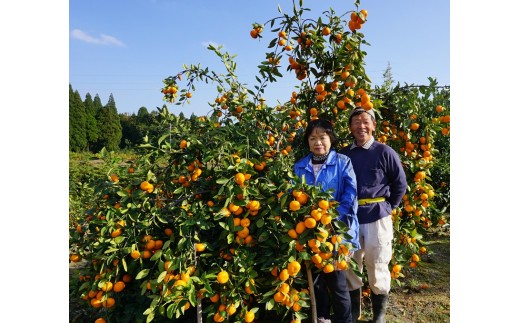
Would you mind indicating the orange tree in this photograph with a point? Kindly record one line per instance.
(211, 216)
(415, 122)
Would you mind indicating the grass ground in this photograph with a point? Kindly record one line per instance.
(424, 295)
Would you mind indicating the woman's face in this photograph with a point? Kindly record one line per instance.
(319, 142)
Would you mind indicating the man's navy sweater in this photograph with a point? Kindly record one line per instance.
(379, 173)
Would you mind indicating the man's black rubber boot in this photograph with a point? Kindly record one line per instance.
(379, 303)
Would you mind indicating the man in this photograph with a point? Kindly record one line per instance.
(381, 184)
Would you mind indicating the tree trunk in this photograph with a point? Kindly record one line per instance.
(311, 289)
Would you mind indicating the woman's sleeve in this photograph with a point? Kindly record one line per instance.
(347, 208)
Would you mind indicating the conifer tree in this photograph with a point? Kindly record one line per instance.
(77, 122)
(97, 105)
(110, 126)
(131, 134)
(92, 125)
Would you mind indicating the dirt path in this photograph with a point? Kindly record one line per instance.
(425, 293)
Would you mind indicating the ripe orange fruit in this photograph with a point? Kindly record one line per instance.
(215, 298)
(150, 244)
(240, 179)
(217, 317)
(439, 108)
(75, 258)
(414, 126)
(95, 302)
(310, 222)
(200, 247)
(279, 297)
(293, 268)
(422, 250)
(323, 204)
(260, 166)
(326, 219)
(249, 317)
(320, 87)
(135, 254)
(328, 268)
(292, 233)
(100, 320)
(116, 233)
(336, 238)
(127, 278)
(396, 268)
(231, 309)
(109, 302)
(146, 186)
(243, 233)
(254, 205)
(119, 286)
(415, 258)
(168, 232)
(302, 198)
(253, 33)
(294, 205)
(284, 288)
(248, 289)
(316, 214)
(296, 193)
(325, 31)
(233, 208)
(284, 275)
(183, 144)
(316, 258)
(322, 235)
(107, 286)
(342, 265)
(223, 277)
(300, 227)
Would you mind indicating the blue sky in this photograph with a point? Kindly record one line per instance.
(128, 47)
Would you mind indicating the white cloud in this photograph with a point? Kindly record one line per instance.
(102, 40)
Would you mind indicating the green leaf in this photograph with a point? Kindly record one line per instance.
(125, 267)
(161, 276)
(156, 255)
(161, 139)
(222, 181)
(142, 274)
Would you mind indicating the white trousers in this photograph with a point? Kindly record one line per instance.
(375, 253)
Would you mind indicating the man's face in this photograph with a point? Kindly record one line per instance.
(362, 127)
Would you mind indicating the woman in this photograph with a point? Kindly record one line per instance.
(324, 166)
